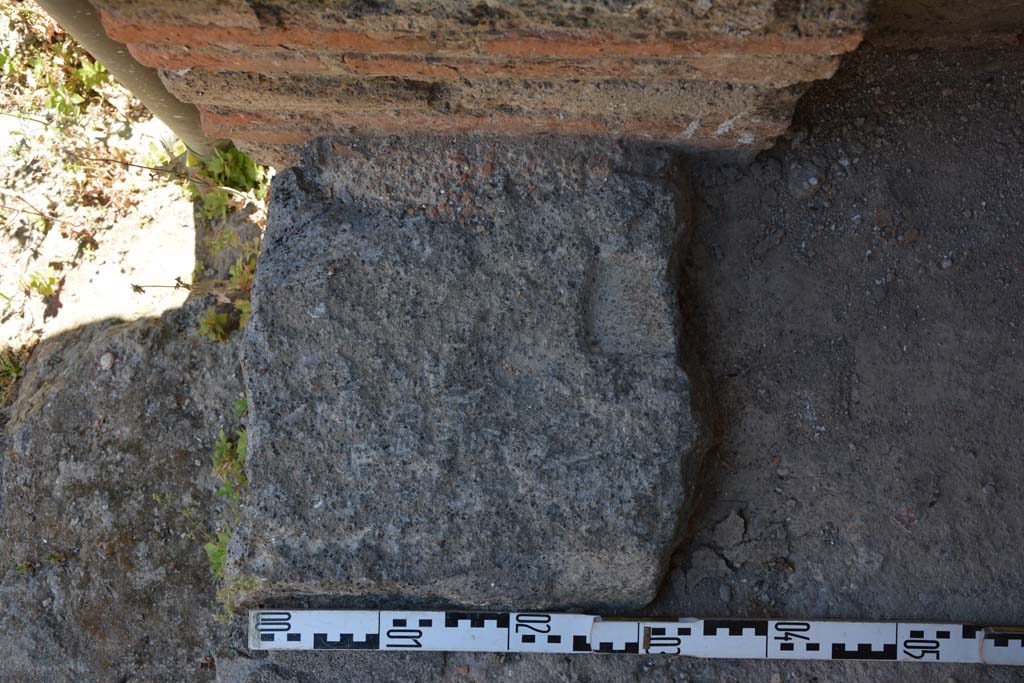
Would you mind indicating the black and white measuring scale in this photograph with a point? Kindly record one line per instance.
(526, 632)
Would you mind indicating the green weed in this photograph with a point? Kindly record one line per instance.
(42, 224)
(44, 282)
(217, 553)
(91, 75)
(197, 272)
(215, 325)
(53, 70)
(229, 469)
(218, 322)
(243, 270)
(244, 307)
(235, 169)
(157, 156)
(229, 465)
(57, 556)
(224, 239)
(12, 365)
(233, 593)
(12, 65)
(227, 180)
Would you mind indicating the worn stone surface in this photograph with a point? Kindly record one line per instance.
(330, 667)
(97, 575)
(463, 375)
(502, 27)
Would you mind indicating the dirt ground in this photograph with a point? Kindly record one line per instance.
(79, 223)
(863, 337)
(855, 299)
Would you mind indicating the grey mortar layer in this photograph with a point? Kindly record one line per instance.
(463, 375)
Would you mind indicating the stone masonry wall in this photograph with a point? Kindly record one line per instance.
(272, 74)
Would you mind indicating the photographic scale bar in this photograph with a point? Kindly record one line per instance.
(583, 634)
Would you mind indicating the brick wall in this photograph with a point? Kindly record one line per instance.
(704, 74)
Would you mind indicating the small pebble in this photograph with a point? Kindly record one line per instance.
(107, 361)
(947, 263)
(725, 593)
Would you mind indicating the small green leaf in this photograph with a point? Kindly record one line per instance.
(217, 552)
(227, 492)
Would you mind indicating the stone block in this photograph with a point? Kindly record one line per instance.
(463, 377)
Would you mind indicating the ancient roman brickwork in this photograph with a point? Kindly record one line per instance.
(274, 74)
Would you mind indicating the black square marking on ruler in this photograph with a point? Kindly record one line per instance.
(609, 648)
(426, 622)
(346, 641)
(684, 631)
(942, 635)
(917, 634)
(266, 637)
(580, 644)
(294, 637)
(554, 639)
(398, 622)
(475, 619)
(864, 651)
(657, 631)
(787, 647)
(735, 626)
(813, 647)
(970, 632)
(529, 638)
(1003, 639)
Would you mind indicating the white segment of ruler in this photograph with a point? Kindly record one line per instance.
(404, 631)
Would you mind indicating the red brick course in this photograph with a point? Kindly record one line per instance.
(743, 69)
(704, 89)
(525, 45)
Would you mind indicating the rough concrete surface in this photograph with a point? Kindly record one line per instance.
(478, 404)
(101, 581)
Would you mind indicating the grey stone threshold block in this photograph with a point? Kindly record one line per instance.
(464, 378)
